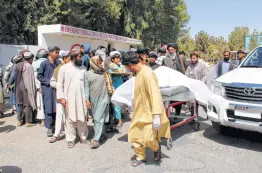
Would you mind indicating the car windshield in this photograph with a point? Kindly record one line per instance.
(254, 59)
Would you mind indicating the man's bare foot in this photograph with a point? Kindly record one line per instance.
(42, 123)
(54, 139)
(19, 123)
(120, 124)
(28, 125)
(94, 144)
(136, 163)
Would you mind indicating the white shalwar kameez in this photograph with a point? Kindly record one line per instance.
(71, 87)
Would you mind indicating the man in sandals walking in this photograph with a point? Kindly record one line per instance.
(70, 94)
(149, 122)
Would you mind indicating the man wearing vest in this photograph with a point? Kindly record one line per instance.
(223, 66)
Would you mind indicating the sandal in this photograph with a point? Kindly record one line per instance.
(158, 155)
(71, 144)
(54, 139)
(136, 163)
(94, 144)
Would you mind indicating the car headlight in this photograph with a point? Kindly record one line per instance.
(217, 88)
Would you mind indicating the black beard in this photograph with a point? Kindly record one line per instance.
(78, 63)
(226, 59)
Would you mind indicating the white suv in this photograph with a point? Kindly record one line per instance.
(236, 98)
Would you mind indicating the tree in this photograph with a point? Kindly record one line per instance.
(163, 20)
(237, 38)
(187, 44)
(20, 18)
(202, 41)
(166, 20)
(220, 45)
(97, 15)
(12, 22)
(211, 47)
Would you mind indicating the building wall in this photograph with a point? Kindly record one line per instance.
(65, 42)
(8, 51)
(123, 47)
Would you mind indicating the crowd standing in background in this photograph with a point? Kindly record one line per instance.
(63, 89)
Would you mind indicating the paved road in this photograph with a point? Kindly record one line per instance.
(27, 150)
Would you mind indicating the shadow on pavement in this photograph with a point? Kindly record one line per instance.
(178, 132)
(107, 136)
(187, 129)
(8, 115)
(7, 128)
(10, 169)
(123, 138)
(236, 138)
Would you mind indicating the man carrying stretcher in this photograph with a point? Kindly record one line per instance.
(149, 122)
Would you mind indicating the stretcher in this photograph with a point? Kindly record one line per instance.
(179, 93)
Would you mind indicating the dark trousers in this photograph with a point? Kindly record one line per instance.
(178, 108)
(50, 120)
(24, 113)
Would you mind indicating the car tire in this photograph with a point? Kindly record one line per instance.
(218, 127)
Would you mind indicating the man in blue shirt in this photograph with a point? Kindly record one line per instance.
(85, 49)
(44, 75)
(117, 71)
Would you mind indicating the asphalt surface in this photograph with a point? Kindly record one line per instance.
(205, 151)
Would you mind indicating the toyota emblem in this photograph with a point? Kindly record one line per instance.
(249, 91)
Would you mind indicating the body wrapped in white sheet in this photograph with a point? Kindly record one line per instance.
(173, 86)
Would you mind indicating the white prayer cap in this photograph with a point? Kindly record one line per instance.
(63, 53)
(114, 53)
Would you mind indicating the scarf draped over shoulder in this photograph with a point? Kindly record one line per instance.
(96, 68)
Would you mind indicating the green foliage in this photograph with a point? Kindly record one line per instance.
(166, 20)
(152, 21)
(237, 38)
(202, 42)
(210, 48)
(187, 44)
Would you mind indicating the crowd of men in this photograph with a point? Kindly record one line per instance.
(62, 90)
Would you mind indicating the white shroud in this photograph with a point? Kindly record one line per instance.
(173, 85)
